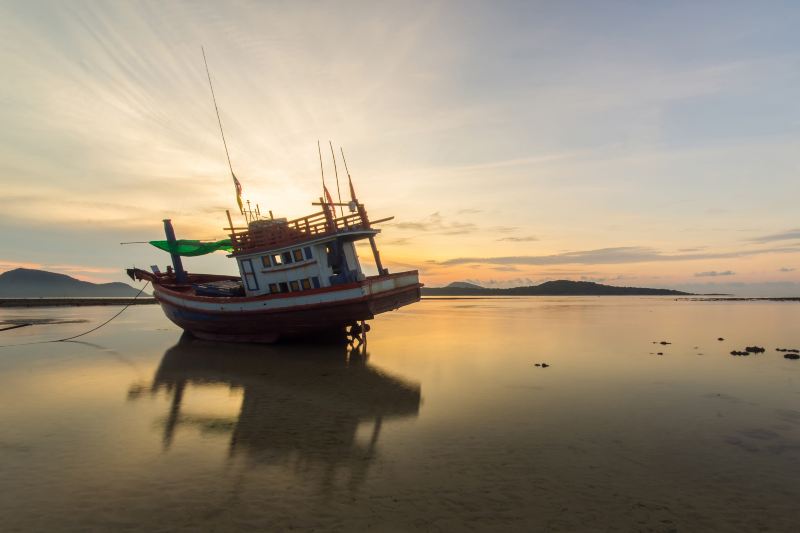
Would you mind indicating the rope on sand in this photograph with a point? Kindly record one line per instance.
(65, 339)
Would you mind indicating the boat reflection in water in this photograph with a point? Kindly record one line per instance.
(301, 406)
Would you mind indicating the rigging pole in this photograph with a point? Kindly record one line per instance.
(236, 183)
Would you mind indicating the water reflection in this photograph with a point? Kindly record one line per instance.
(316, 409)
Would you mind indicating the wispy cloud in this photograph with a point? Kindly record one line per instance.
(528, 238)
(792, 234)
(436, 223)
(611, 256)
(714, 273)
(502, 283)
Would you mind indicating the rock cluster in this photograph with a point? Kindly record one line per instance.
(748, 350)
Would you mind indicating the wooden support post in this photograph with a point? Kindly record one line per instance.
(330, 223)
(377, 255)
(177, 264)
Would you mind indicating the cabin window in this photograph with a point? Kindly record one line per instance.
(265, 261)
(294, 285)
(276, 259)
(249, 275)
(298, 254)
(287, 257)
(284, 286)
(315, 282)
(273, 288)
(305, 283)
(308, 253)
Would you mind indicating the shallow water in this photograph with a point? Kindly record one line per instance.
(445, 425)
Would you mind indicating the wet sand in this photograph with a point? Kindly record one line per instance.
(445, 424)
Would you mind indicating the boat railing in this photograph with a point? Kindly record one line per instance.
(279, 233)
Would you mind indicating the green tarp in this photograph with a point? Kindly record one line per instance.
(189, 248)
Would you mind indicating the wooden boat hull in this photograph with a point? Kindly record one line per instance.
(319, 314)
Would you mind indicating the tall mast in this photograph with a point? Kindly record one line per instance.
(236, 184)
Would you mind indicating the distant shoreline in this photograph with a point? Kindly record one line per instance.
(744, 299)
(74, 302)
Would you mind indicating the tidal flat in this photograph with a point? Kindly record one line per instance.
(444, 424)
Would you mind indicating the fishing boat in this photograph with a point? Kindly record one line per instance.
(299, 278)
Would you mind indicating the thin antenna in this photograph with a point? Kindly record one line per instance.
(349, 179)
(338, 192)
(321, 170)
(222, 133)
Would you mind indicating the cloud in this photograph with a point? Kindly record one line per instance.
(435, 223)
(528, 238)
(610, 256)
(593, 279)
(714, 274)
(502, 283)
(786, 269)
(503, 229)
(792, 234)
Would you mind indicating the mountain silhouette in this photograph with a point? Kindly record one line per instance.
(550, 288)
(31, 283)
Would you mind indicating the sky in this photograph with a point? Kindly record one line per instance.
(629, 143)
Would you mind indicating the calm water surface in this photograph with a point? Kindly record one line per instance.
(446, 424)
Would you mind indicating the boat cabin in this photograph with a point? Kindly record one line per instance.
(279, 256)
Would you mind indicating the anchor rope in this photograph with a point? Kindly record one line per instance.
(65, 339)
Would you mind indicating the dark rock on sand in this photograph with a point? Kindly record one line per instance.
(755, 349)
(720, 339)
(737, 352)
(791, 355)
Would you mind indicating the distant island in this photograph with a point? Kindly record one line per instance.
(549, 288)
(31, 283)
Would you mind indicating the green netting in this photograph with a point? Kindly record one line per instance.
(189, 248)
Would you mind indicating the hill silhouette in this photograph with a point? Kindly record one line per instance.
(31, 283)
(550, 288)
